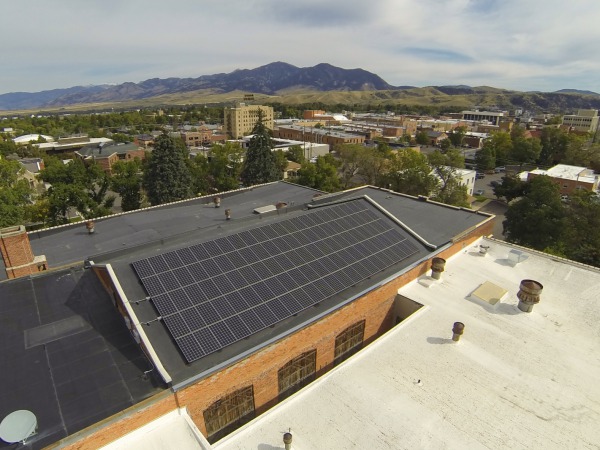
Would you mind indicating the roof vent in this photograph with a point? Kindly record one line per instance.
(437, 267)
(457, 330)
(529, 294)
(287, 441)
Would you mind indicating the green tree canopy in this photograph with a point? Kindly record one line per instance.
(76, 185)
(409, 173)
(510, 188)
(449, 188)
(422, 138)
(321, 175)
(260, 165)
(537, 220)
(127, 182)
(167, 176)
(457, 135)
(15, 194)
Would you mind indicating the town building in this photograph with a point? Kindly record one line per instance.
(240, 120)
(569, 178)
(222, 306)
(512, 379)
(105, 155)
(586, 121)
(318, 135)
(480, 116)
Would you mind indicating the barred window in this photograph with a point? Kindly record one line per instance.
(229, 413)
(297, 373)
(349, 341)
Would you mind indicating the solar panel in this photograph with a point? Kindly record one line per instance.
(213, 294)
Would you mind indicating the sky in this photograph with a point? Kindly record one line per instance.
(542, 45)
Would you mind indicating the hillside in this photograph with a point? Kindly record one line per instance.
(284, 83)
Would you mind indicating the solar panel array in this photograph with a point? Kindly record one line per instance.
(213, 294)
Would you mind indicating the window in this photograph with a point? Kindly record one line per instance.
(297, 373)
(229, 413)
(349, 341)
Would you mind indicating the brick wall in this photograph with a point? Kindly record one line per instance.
(377, 308)
(120, 424)
(18, 257)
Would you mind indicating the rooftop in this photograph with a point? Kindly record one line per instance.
(514, 380)
(66, 353)
(567, 172)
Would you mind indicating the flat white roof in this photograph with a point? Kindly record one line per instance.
(174, 430)
(515, 379)
(568, 173)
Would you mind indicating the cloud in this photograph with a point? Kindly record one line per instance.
(507, 43)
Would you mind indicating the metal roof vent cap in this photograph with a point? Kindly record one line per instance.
(457, 330)
(437, 267)
(287, 441)
(529, 294)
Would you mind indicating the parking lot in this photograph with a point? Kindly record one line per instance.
(484, 184)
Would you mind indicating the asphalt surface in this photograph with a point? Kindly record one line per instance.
(492, 206)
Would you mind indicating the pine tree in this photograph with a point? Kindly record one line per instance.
(167, 177)
(260, 165)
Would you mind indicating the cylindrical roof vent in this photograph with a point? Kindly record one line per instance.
(287, 441)
(529, 294)
(457, 330)
(437, 267)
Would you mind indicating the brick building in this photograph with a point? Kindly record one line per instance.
(105, 155)
(240, 120)
(318, 135)
(569, 178)
(228, 315)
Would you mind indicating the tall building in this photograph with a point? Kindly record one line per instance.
(240, 120)
(586, 120)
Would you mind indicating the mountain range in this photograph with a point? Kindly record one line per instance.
(322, 82)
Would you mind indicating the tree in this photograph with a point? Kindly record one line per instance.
(422, 138)
(409, 173)
(457, 136)
(510, 188)
(582, 233)
(449, 188)
(296, 153)
(260, 165)
(537, 220)
(76, 185)
(524, 150)
(15, 194)
(225, 167)
(127, 182)
(485, 159)
(554, 142)
(167, 176)
(498, 146)
(321, 175)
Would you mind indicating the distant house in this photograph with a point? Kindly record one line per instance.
(106, 155)
(569, 178)
(436, 137)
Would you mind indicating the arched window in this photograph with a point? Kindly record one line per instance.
(349, 341)
(228, 413)
(297, 373)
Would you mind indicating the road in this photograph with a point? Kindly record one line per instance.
(496, 207)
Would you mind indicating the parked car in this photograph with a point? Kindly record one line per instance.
(500, 169)
(480, 175)
(495, 183)
(479, 192)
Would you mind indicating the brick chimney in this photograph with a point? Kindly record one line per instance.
(18, 257)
